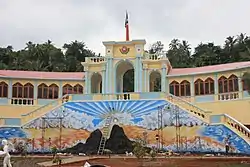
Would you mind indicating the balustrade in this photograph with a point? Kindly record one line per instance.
(125, 96)
(95, 59)
(228, 96)
(22, 101)
(188, 106)
(236, 125)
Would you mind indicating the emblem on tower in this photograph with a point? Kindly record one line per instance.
(124, 50)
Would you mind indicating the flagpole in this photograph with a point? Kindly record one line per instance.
(127, 27)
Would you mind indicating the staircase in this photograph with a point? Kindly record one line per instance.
(206, 116)
(105, 135)
(26, 118)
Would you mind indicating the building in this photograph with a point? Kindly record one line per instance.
(189, 109)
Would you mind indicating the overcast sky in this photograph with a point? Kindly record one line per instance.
(94, 21)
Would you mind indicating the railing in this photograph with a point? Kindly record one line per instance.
(160, 56)
(228, 96)
(95, 59)
(236, 125)
(22, 101)
(25, 118)
(188, 106)
(2, 122)
(125, 96)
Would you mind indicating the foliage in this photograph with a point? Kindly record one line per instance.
(139, 149)
(21, 148)
(57, 159)
(153, 153)
(246, 80)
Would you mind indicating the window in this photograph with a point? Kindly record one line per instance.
(244, 85)
(78, 89)
(174, 88)
(185, 88)
(199, 87)
(28, 91)
(228, 85)
(3, 89)
(53, 91)
(67, 89)
(17, 90)
(209, 86)
(42, 91)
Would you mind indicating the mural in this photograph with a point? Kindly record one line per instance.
(73, 122)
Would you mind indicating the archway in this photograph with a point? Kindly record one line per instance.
(124, 77)
(96, 83)
(155, 81)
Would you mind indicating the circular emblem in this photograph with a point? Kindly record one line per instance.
(124, 50)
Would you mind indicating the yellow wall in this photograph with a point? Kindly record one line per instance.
(239, 109)
(131, 53)
(14, 111)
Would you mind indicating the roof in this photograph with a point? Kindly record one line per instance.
(209, 69)
(42, 75)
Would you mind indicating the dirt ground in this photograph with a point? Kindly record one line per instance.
(169, 162)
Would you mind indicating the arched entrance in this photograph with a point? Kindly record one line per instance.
(124, 77)
(155, 81)
(96, 83)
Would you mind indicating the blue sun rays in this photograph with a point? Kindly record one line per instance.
(136, 108)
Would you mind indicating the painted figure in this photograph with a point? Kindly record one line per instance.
(5, 153)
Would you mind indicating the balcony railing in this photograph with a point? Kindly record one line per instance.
(95, 59)
(160, 56)
(228, 96)
(22, 101)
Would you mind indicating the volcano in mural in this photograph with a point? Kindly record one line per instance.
(118, 142)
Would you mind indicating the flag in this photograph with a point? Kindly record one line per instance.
(127, 27)
(126, 19)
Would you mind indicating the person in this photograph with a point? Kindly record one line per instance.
(5, 152)
(227, 144)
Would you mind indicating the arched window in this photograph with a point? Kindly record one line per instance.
(67, 89)
(17, 90)
(174, 88)
(78, 89)
(233, 85)
(223, 86)
(28, 91)
(3, 89)
(199, 87)
(42, 91)
(209, 86)
(228, 85)
(53, 91)
(185, 88)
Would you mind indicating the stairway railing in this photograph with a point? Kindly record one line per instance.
(25, 118)
(236, 125)
(105, 135)
(203, 114)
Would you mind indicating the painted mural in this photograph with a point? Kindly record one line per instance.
(136, 117)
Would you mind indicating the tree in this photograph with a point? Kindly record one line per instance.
(246, 80)
(139, 149)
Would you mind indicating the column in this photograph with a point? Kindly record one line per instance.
(107, 76)
(216, 91)
(147, 86)
(89, 82)
(145, 79)
(10, 89)
(163, 78)
(192, 86)
(111, 78)
(136, 78)
(103, 81)
(167, 85)
(86, 82)
(241, 93)
(60, 89)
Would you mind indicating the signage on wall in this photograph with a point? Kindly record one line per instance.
(124, 50)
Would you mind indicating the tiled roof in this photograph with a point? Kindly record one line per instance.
(42, 75)
(208, 69)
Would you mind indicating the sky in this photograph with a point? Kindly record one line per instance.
(95, 21)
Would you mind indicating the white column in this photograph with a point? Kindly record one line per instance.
(163, 79)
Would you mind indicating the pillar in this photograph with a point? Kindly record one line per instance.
(163, 78)
(216, 91)
(140, 75)
(103, 81)
(136, 78)
(145, 79)
(35, 89)
(86, 82)
(192, 87)
(60, 89)
(10, 89)
(111, 78)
